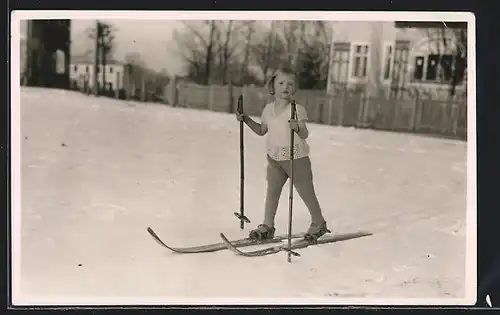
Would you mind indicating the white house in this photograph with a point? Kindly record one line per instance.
(368, 52)
(82, 70)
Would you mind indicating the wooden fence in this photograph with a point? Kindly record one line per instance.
(416, 114)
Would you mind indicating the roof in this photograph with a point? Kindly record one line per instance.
(89, 59)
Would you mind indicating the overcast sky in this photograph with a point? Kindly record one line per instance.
(150, 38)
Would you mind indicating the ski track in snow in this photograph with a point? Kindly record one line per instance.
(96, 172)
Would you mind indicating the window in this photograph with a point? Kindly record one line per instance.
(436, 68)
(388, 61)
(419, 68)
(60, 61)
(360, 61)
(446, 64)
(339, 68)
(432, 67)
(75, 68)
(340, 63)
(87, 69)
(110, 69)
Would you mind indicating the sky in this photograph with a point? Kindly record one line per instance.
(152, 39)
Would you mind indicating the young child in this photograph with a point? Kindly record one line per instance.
(276, 123)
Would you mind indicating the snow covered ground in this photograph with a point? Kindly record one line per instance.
(96, 172)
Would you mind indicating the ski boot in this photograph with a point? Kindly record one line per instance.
(262, 232)
(315, 231)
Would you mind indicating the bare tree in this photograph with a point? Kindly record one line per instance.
(249, 32)
(196, 43)
(459, 69)
(301, 45)
(104, 33)
(217, 50)
(290, 33)
(312, 61)
(450, 46)
(268, 51)
(107, 38)
(224, 48)
(212, 48)
(231, 40)
(192, 51)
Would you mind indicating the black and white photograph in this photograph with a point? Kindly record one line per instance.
(243, 158)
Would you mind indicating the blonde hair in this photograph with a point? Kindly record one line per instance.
(282, 70)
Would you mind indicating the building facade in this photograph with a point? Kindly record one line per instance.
(22, 57)
(45, 53)
(122, 80)
(383, 57)
(82, 74)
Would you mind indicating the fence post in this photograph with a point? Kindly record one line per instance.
(210, 97)
(341, 108)
(321, 109)
(170, 93)
(117, 86)
(361, 111)
(230, 97)
(444, 117)
(177, 86)
(455, 117)
(132, 89)
(130, 83)
(413, 114)
(395, 113)
(451, 113)
(366, 107)
(143, 88)
(420, 114)
(330, 105)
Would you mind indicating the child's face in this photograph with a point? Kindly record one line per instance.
(284, 86)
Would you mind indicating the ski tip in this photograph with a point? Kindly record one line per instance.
(365, 233)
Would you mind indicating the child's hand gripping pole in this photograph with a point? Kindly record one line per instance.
(293, 116)
(241, 215)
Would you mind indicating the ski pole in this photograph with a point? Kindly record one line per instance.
(241, 214)
(292, 136)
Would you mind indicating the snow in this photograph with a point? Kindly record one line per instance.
(96, 172)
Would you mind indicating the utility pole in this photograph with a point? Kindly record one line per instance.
(96, 56)
(375, 58)
(329, 83)
(104, 29)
